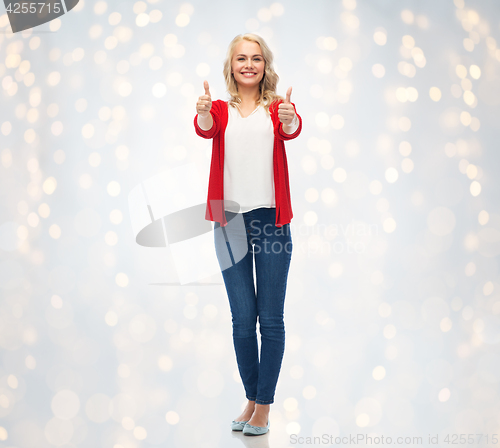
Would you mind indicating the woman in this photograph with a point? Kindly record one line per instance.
(249, 175)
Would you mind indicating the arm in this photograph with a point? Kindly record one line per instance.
(212, 131)
(279, 128)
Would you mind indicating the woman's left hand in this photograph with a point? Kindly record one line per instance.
(286, 111)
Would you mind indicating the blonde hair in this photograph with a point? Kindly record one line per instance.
(267, 86)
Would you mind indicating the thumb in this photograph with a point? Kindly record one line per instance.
(288, 94)
(205, 84)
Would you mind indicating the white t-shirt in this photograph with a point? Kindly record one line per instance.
(248, 160)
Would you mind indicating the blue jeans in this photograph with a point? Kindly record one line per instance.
(272, 248)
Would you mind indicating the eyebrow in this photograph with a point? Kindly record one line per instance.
(245, 55)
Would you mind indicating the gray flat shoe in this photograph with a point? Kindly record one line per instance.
(238, 426)
(250, 430)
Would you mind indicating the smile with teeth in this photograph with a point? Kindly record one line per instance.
(248, 74)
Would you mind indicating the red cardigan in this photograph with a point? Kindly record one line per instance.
(215, 202)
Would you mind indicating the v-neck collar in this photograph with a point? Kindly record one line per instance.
(239, 114)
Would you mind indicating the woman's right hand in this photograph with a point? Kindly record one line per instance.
(204, 103)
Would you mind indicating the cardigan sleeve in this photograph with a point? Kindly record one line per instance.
(278, 125)
(212, 132)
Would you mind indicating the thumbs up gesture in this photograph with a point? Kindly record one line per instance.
(286, 111)
(204, 103)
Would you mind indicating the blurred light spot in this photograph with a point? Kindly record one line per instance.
(113, 188)
(378, 373)
(329, 196)
(407, 16)
(111, 318)
(384, 309)
(325, 65)
(309, 392)
(337, 122)
(94, 159)
(121, 279)
(468, 44)
(111, 238)
(182, 20)
(339, 175)
(30, 362)
(296, 372)
(85, 181)
(475, 71)
(100, 7)
(488, 288)
(128, 423)
(155, 16)
(483, 217)
(470, 269)
(408, 41)
(435, 93)
(389, 225)
(123, 371)
(475, 188)
(97, 408)
(478, 325)
(165, 363)
(210, 311)
(44, 210)
(391, 175)
(407, 165)
(142, 19)
(58, 432)
(55, 231)
(445, 324)
(140, 7)
(389, 331)
(441, 221)
(3, 434)
(292, 428)
(114, 18)
(444, 395)
(378, 70)
(380, 36)
(310, 218)
(65, 404)
(377, 277)
(322, 119)
(311, 195)
(290, 404)
(172, 417)
(49, 185)
(140, 433)
(375, 187)
(309, 164)
(335, 270)
(404, 124)
(362, 420)
(203, 69)
(116, 216)
(33, 219)
(264, 14)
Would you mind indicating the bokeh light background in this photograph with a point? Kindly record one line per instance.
(393, 300)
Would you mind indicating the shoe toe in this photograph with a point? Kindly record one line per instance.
(237, 426)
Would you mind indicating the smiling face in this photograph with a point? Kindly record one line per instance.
(247, 65)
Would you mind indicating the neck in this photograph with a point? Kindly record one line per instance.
(248, 94)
